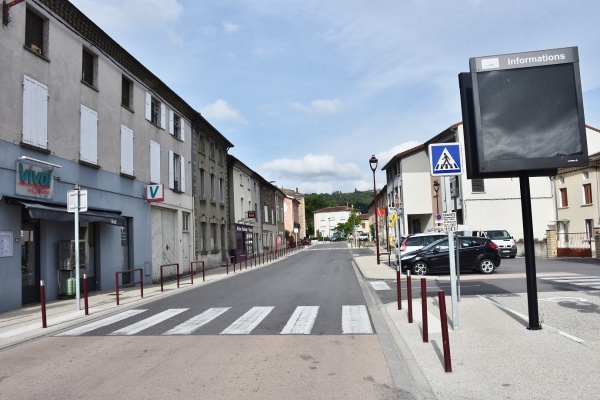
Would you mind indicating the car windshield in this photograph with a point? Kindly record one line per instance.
(499, 235)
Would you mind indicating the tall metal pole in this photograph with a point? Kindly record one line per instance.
(373, 164)
(532, 303)
(77, 297)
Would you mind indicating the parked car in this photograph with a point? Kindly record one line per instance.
(475, 254)
(336, 237)
(419, 240)
(503, 240)
(397, 247)
(363, 236)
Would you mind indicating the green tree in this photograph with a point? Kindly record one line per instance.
(348, 226)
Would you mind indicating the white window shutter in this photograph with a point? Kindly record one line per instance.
(182, 170)
(35, 113)
(89, 135)
(171, 122)
(267, 214)
(163, 116)
(182, 130)
(154, 162)
(171, 171)
(148, 106)
(126, 150)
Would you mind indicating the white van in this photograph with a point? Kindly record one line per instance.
(506, 243)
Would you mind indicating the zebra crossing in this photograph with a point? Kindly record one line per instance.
(355, 320)
(583, 281)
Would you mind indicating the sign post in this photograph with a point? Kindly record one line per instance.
(445, 160)
(76, 203)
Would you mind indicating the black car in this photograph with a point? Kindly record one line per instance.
(336, 237)
(476, 254)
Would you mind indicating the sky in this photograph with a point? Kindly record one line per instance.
(308, 90)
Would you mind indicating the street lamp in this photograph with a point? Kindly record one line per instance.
(436, 188)
(373, 164)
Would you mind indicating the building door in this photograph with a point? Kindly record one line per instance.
(30, 263)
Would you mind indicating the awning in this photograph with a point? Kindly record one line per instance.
(58, 212)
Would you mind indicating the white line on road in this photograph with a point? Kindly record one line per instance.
(197, 322)
(355, 320)
(99, 324)
(301, 321)
(247, 322)
(380, 285)
(148, 322)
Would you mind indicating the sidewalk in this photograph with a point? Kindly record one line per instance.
(493, 354)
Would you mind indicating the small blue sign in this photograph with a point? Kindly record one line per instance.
(445, 159)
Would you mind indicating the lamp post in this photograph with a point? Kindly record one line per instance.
(436, 188)
(373, 164)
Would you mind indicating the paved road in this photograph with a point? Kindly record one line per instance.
(243, 350)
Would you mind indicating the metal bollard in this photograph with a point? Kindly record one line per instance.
(445, 338)
(399, 289)
(85, 295)
(424, 310)
(43, 304)
(409, 296)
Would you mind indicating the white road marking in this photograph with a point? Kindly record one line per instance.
(355, 320)
(380, 285)
(247, 322)
(301, 321)
(99, 324)
(196, 322)
(148, 322)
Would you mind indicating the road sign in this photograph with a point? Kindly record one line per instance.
(72, 200)
(450, 222)
(445, 159)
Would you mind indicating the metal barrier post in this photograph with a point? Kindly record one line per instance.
(117, 285)
(399, 289)
(191, 273)
(85, 295)
(409, 295)
(445, 338)
(424, 310)
(177, 275)
(161, 278)
(43, 303)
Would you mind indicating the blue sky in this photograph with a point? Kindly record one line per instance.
(308, 90)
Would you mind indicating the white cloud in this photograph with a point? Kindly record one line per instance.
(321, 106)
(221, 110)
(385, 156)
(230, 27)
(313, 166)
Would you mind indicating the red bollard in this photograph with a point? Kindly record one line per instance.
(399, 290)
(409, 296)
(85, 295)
(43, 303)
(445, 339)
(424, 310)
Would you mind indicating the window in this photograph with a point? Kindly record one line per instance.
(89, 65)
(564, 200)
(587, 194)
(89, 136)
(213, 237)
(202, 144)
(185, 222)
(212, 187)
(586, 176)
(266, 214)
(221, 190)
(242, 206)
(176, 172)
(126, 150)
(202, 183)
(35, 113)
(176, 125)
(477, 186)
(36, 33)
(126, 92)
(203, 237)
(561, 179)
(156, 112)
(212, 150)
(154, 162)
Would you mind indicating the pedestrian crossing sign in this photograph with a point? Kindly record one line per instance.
(445, 159)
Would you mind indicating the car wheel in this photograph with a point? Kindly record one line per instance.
(420, 268)
(512, 256)
(486, 266)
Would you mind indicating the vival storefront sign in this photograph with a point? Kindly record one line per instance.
(155, 193)
(34, 181)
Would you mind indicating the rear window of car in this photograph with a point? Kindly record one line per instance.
(430, 239)
(472, 242)
(414, 241)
